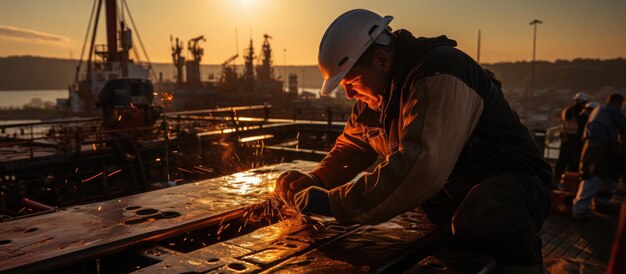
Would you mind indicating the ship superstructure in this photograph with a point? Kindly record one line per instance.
(105, 61)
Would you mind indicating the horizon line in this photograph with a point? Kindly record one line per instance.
(281, 65)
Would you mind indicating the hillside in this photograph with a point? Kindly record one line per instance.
(29, 73)
(578, 74)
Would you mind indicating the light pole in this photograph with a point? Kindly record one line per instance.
(533, 23)
(478, 49)
(302, 80)
(286, 84)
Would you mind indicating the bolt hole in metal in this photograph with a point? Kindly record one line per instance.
(32, 229)
(286, 244)
(237, 266)
(213, 260)
(3, 242)
(134, 221)
(146, 211)
(170, 214)
(132, 207)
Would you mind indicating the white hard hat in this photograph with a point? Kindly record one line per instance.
(592, 104)
(582, 96)
(345, 41)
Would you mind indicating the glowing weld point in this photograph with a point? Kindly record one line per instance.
(165, 96)
(99, 208)
(93, 146)
(119, 118)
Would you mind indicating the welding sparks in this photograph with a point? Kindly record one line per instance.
(298, 139)
(166, 96)
(92, 177)
(114, 172)
(185, 170)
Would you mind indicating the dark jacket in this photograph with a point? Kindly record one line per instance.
(573, 123)
(603, 125)
(444, 125)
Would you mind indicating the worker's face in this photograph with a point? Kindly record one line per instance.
(368, 82)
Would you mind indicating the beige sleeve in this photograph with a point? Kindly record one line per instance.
(438, 119)
(350, 156)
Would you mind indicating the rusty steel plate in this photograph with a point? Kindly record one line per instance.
(81, 232)
(315, 246)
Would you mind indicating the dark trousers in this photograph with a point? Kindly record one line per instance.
(569, 156)
(500, 217)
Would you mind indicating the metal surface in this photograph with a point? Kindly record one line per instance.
(89, 231)
(319, 245)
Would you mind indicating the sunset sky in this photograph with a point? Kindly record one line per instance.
(571, 28)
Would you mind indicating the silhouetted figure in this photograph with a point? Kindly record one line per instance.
(586, 112)
(571, 136)
(599, 162)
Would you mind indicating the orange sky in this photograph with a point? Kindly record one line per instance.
(571, 29)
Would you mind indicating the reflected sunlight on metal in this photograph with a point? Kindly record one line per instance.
(245, 182)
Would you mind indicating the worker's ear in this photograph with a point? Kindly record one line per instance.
(382, 60)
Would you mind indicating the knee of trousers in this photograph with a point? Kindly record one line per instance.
(489, 213)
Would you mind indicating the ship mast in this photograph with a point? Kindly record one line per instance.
(248, 69)
(111, 19)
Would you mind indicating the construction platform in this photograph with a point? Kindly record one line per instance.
(230, 225)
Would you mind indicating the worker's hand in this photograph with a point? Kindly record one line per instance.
(313, 200)
(291, 182)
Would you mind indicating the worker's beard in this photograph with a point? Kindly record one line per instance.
(371, 103)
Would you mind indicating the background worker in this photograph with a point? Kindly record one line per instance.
(600, 166)
(451, 142)
(586, 112)
(572, 127)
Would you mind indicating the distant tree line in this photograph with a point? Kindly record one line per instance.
(577, 74)
(31, 73)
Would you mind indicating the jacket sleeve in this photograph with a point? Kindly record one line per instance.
(619, 120)
(350, 156)
(439, 116)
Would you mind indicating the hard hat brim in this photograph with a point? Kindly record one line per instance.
(332, 82)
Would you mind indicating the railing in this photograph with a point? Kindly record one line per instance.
(552, 143)
(71, 136)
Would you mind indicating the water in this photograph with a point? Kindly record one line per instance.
(18, 98)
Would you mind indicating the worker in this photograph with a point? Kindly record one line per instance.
(571, 136)
(451, 142)
(586, 112)
(599, 164)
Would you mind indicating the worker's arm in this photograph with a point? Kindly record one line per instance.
(618, 119)
(439, 116)
(350, 156)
